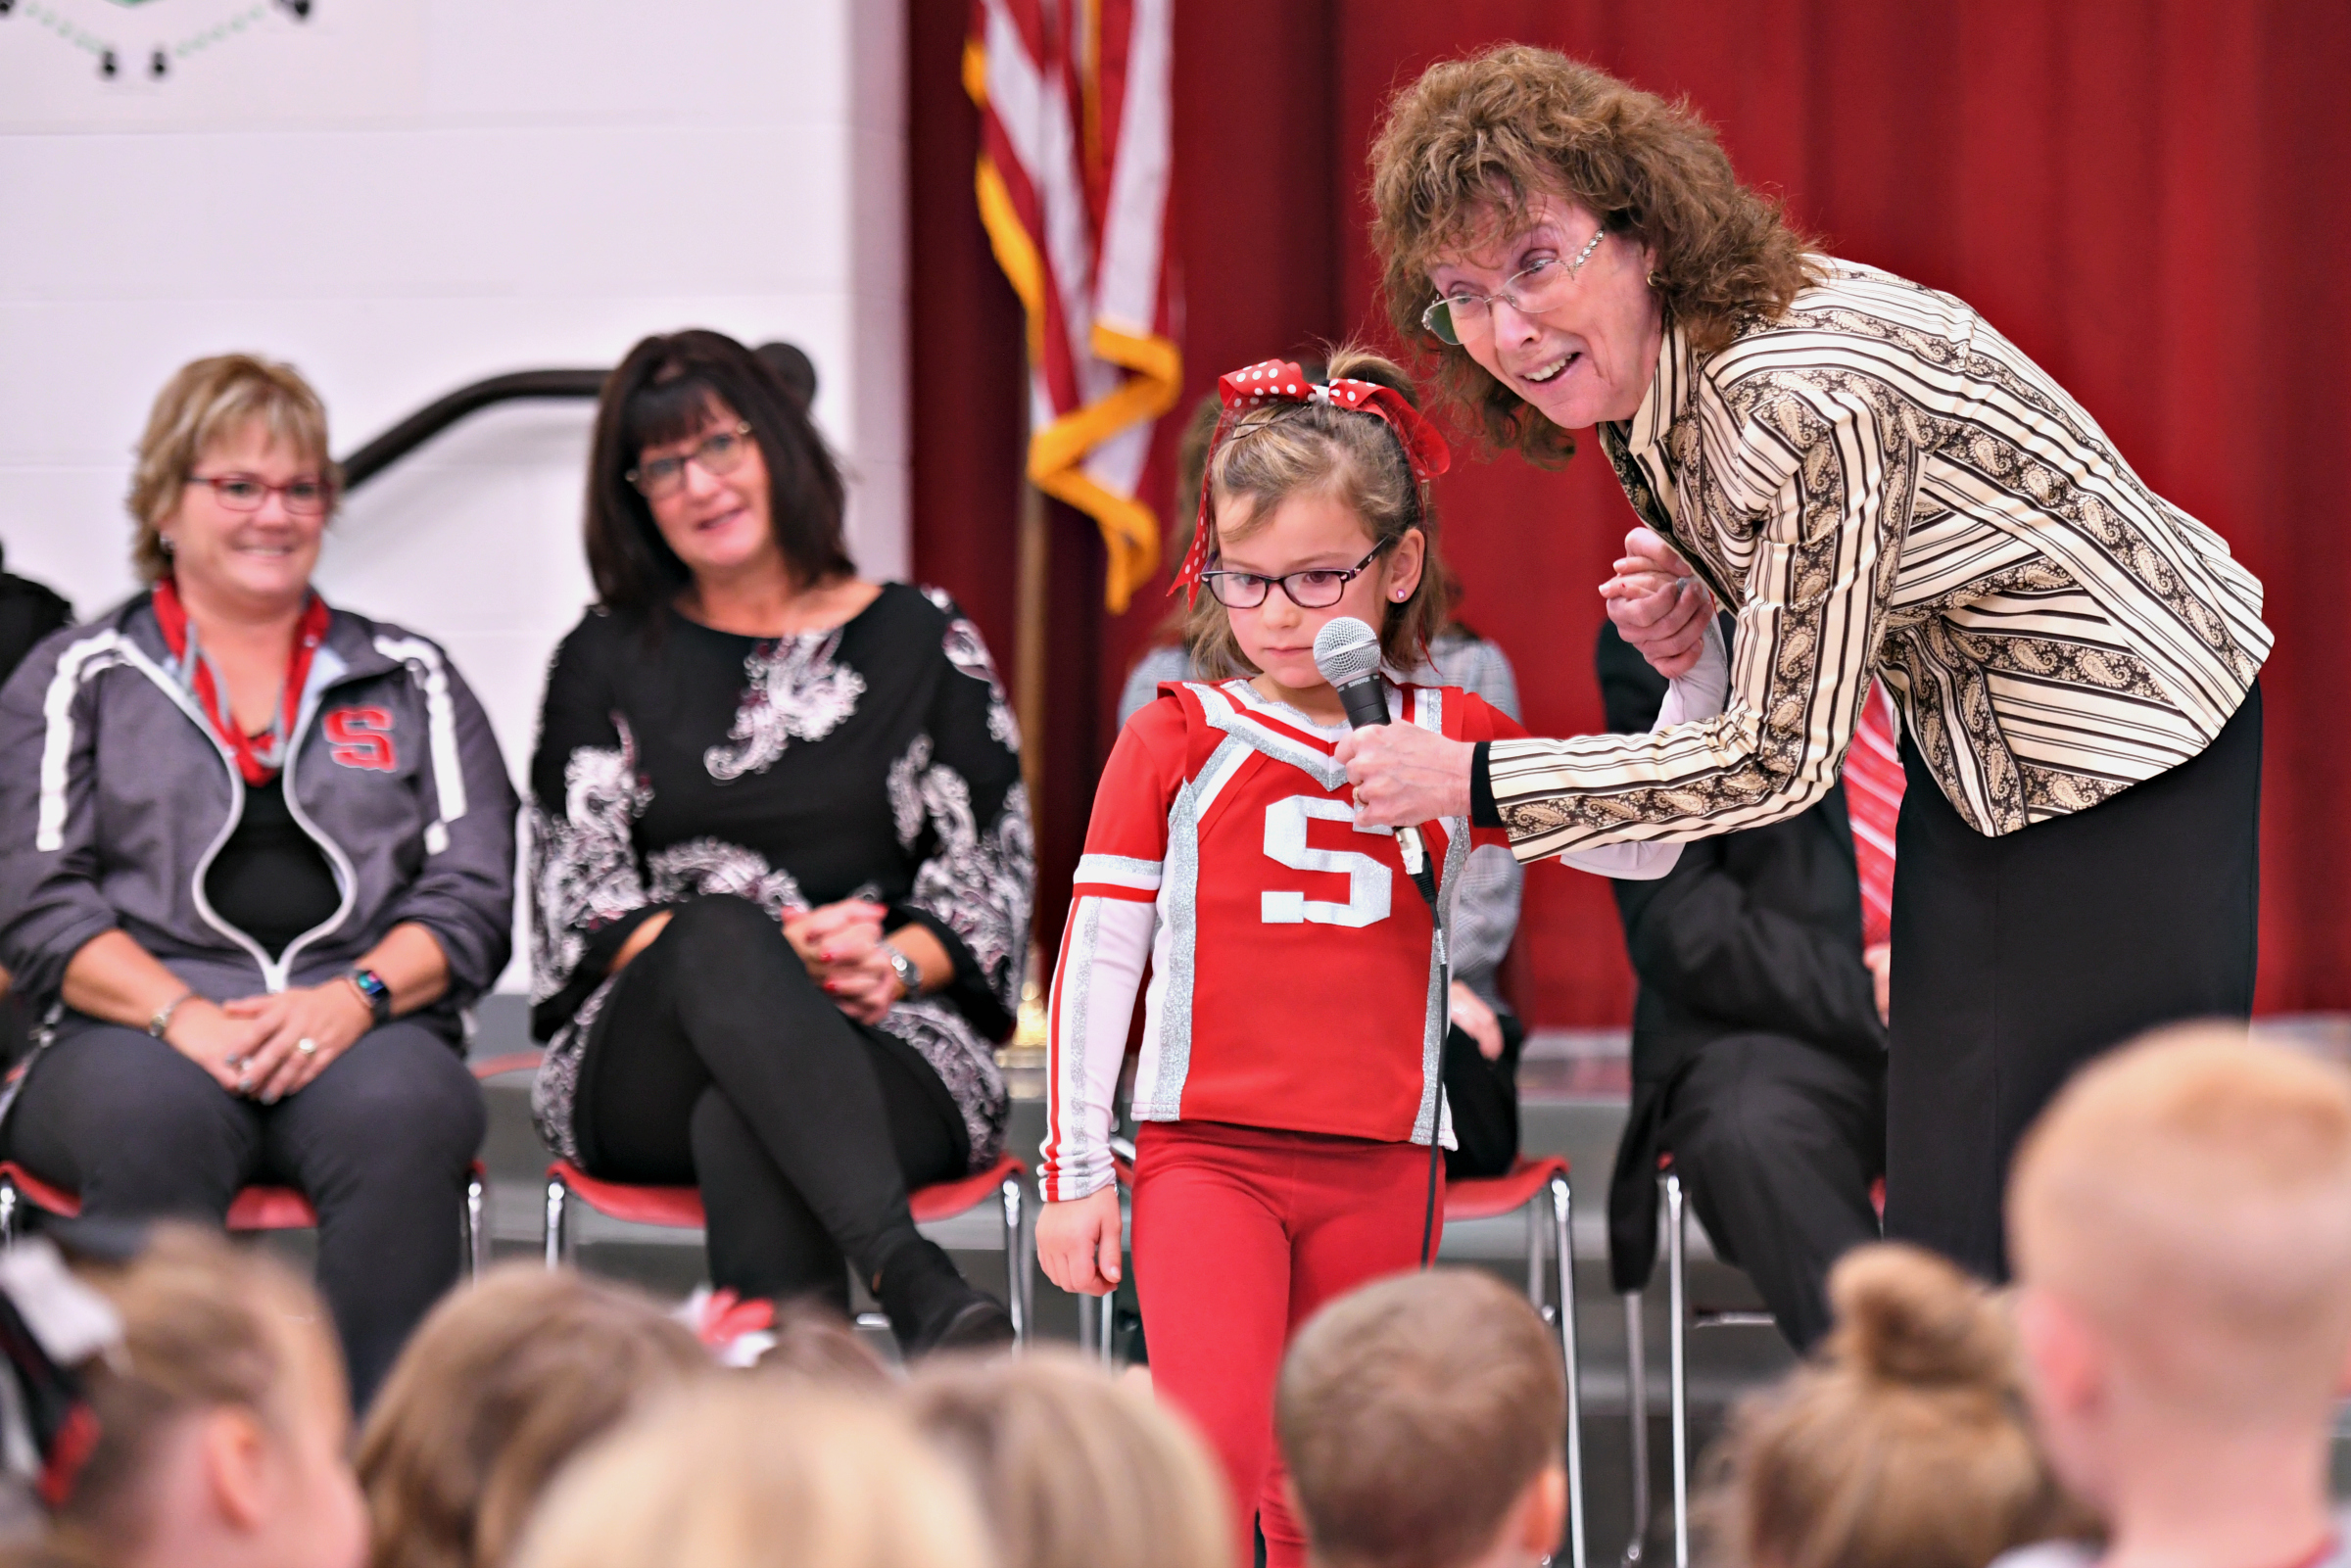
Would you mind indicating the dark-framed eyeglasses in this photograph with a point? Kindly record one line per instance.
(719, 453)
(249, 493)
(1461, 316)
(1318, 587)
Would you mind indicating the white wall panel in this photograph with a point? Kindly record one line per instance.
(400, 196)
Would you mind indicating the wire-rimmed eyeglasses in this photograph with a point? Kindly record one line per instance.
(249, 492)
(1461, 314)
(720, 452)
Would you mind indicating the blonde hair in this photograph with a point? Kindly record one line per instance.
(1902, 1445)
(745, 1472)
(205, 403)
(1476, 139)
(1275, 453)
(1076, 1469)
(816, 1346)
(2192, 1193)
(205, 1326)
(1415, 1414)
(500, 1384)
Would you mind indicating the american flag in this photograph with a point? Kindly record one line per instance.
(1072, 187)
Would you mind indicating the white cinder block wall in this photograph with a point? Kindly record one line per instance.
(401, 196)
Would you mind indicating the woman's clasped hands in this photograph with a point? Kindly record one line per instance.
(268, 1047)
(842, 945)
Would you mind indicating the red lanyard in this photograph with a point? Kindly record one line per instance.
(257, 769)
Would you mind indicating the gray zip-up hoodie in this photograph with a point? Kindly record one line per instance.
(116, 796)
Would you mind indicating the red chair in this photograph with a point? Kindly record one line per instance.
(681, 1209)
(255, 1208)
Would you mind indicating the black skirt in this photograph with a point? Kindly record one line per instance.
(2018, 958)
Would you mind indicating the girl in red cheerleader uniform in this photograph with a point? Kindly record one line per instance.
(1288, 1084)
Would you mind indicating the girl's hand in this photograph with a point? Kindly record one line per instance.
(1079, 1243)
(829, 932)
(1657, 606)
(330, 1017)
(1403, 774)
(1473, 1018)
(207, 1035)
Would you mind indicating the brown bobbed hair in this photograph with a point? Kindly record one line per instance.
(502, 1383)
(206, 1325)
(1903, 1442)
(1076, 1469)
(1415, 1414)
(1465, 150)
(666, 389)
(206, 403)
(1279, 451)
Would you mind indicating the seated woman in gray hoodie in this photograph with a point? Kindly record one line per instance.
(255, 854)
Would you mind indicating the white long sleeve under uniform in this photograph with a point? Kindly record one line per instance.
(1294, 981)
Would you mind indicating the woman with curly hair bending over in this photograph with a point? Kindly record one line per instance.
(1879, 487)
(781, 861)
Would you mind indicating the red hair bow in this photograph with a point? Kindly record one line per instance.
(1281, 381)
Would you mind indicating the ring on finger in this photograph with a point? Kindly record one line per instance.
(306, 1046)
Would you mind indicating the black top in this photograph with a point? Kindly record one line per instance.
(875, 760)
(271, 880)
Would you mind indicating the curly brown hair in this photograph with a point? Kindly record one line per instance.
(1465, 148)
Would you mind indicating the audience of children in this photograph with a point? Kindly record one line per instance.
(500, 1384)
(1073, 1469)
(2159, 1390)
(2179, 1219)
(220, 1424)
(1903, 1443)
(747, 1472)
(1423, 1420)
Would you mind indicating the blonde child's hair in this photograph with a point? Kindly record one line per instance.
(1903, 1444)
(2191, 1193)
(1076, 1469)
(744, 1472)
(502, 1383)
(815, 1346)
(1415, 1414)
(206, 1325)
(1282, 451)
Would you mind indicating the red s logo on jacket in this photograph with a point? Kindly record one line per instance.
(361, 737)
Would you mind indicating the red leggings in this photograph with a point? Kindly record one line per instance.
(1240, 1233)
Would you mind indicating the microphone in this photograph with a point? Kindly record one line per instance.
(1347, 655)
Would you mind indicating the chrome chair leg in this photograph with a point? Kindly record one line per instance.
(1564, 1261)
(8, 1214)
(1016, 1270)
(558, 1243)
(477, 1235)
(1677, 1314)
(1636, 1407)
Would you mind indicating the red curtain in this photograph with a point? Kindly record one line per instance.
(2144, 194)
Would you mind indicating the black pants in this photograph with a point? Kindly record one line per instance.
(2019, 958)
(1483, 1098)
(1777, 1143)
(379, 1142)
(717, 1061)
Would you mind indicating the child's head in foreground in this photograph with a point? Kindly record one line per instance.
(502, 1383)
(1424, 1423)
(1901, 1443)
(1325, 490)
(1075, 1468)
(222, 1418)
(2180, 1221)
(744, 1472)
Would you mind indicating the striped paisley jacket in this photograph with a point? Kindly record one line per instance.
(1880, 482)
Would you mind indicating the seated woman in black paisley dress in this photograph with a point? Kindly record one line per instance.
(782, 869)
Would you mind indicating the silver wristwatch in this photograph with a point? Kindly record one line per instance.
(909, 976)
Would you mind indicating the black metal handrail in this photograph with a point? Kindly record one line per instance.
(791, 367)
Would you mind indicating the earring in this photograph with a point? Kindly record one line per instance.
(1656, 279)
